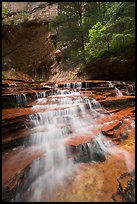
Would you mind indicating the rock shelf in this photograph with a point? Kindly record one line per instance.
(113, 119)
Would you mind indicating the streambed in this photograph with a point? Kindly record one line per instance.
(71, 147)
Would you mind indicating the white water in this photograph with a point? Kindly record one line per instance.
(73, 116)
(70, 116)
(21, 99)
(118, 92)
(25, 98)
(87, 85)
(40, 94)
(109, 148)
(75, 85)
(110, 84)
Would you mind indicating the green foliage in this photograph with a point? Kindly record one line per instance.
(96, 39)
(96, 31)
(88, 30)
(121, 41)
(5, 11)
(120, 16)
(71, 27)
(16, 19)
(96, 34)
(115, 29)
(39, 80)
(21, 17)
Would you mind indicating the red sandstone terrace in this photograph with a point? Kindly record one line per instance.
(113, 124)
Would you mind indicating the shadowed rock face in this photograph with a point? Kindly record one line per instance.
(118, 67)
(32, 48)
(28, 47)
(98, 139)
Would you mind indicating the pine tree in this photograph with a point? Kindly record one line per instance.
(71, 26)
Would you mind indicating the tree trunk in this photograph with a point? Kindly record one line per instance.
(83, 49)
(107, 41)
(123, 41)
(82, 35)
(108, 44)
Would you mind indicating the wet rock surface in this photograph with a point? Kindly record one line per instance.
(126, 188)
(109, 122)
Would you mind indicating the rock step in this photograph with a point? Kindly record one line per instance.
(118, 129)
(27, 92)
(78, 140)
(111, 126)
(109, 100)
(12, 113)
(126, 112)
(17, 136)
(25, 156)
(22, 98)
(14, 162)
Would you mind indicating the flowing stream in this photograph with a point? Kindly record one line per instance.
(60, 118)
(67, 115)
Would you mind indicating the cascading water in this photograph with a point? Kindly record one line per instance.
(75, 85)
(70, 116)
(110, 84)
(20, 100)
(40, 94)
(118, 92)
(25, 98)
(87, 85)
(109, 148)
(67, 85)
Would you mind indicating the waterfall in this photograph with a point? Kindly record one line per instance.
(78, 85)
(87, 84)
(95, 104)
(111, 149)
(110, 84)
(68, 117)
(25, 98)
(60, 119)
(118, 92)
(67, 85)
(20, 100)
(74, 85)
(40, 94)
(65, 127)
(56, 86)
